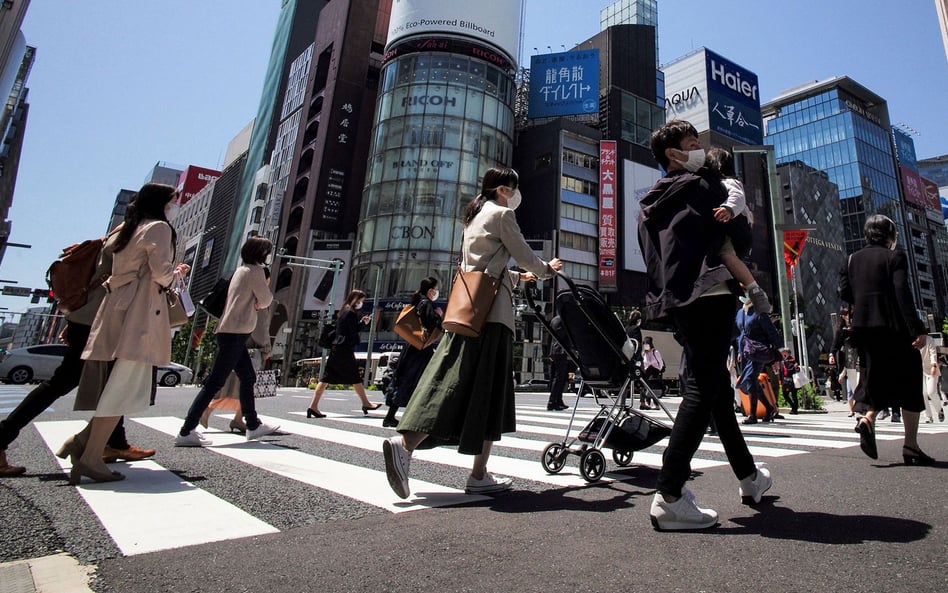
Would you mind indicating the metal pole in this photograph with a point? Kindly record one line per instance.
(375, 305)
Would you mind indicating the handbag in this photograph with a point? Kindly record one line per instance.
(471, 299)
(409, 327)
(266, 384)
(215, 300)
(180, 306)
(800, 379)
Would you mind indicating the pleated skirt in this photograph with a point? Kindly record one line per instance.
(465, 395)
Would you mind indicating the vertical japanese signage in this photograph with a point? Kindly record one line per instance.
(333, 187)
(607, 215)
(564, 84)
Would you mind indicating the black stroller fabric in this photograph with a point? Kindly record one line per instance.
(592, 333)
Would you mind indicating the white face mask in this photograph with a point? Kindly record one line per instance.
(646, 347)
(695, 159)
(433, 294)
(358, 305)
(171, 211)
(513, 202)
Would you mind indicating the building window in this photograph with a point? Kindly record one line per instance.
(580, 214)
(580, 186)
(580, 242)
(581, 160)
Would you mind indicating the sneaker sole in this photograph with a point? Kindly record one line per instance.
(394, 480)
(676, 526)
(490, 490)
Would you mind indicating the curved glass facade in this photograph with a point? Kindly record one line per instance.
(442, 119)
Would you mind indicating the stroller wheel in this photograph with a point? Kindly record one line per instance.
(592, 465)
(554, 458)
(622, 458)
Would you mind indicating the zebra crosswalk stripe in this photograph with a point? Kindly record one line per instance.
(172, 513)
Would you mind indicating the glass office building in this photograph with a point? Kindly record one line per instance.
(842, 128)
(443, 118)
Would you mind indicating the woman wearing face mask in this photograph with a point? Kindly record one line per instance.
(465, 395)
(131, 329)
(412, 361)
(248, 292)
(653, 366)
(341, 368)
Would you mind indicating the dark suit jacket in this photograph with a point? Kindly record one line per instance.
(875, 282)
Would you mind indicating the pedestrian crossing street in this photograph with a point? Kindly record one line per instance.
(155, 509)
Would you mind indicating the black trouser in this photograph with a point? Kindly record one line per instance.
(790, 393)
(704, 328)
(558, 376)
(64, 380)
(231, 356)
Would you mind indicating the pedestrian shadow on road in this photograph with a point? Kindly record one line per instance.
(826, 528)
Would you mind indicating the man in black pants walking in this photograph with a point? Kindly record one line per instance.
(688, 284)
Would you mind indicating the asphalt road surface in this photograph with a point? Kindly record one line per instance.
(309, 509)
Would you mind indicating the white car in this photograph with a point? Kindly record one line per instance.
(38, 363)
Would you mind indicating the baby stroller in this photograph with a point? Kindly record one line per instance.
(595, 340)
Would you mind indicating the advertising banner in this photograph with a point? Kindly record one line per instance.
(608, 184)
(564, 84)
(322, 284)
(905, 149)
(194, 179)
(686, 91)
(494, 23)
(637, 179)
(733, 100)
(932, 194)
(912, 187)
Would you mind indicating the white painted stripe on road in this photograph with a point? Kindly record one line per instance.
(353, 481)
(518, 468)
(153, 509)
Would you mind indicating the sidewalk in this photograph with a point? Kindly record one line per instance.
(59, 573)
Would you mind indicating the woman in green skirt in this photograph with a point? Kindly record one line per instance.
(465, 396)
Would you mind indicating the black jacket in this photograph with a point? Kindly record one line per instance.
(680, 241)
(875, 282)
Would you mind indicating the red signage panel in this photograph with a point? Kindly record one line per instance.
(608, 193)
(192, 180)
(913, 187)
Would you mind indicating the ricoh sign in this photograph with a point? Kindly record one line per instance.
(714, 93)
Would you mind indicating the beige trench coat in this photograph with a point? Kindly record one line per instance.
(132, 321)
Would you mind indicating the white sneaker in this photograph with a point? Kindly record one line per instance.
(261, 431)
(683, 514)
(753, 487)
(397, 465)
(487, 485)
(192, 439)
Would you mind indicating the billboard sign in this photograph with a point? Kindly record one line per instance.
(637, 180)
(564, 83)
(905, 149)
(494, 23)
(733, 100)
(194, 179)
(686, 91)
(325, 285)
(912, 187)
(608, 194)
(932, 194)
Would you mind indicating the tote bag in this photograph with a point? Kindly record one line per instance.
(409, 327)
(471, 299)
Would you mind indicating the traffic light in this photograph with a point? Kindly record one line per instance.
(39, 293)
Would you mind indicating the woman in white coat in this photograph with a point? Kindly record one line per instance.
(131, 328)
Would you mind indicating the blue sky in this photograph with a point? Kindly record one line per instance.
(118, 86)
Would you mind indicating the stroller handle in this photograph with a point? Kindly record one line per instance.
(531, 289)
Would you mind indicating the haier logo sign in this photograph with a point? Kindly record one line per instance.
(733, 100)
(732, 79)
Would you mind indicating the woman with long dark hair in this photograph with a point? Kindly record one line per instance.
(412, 361)
(341, 367)
(131, 327)
(465, 395)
